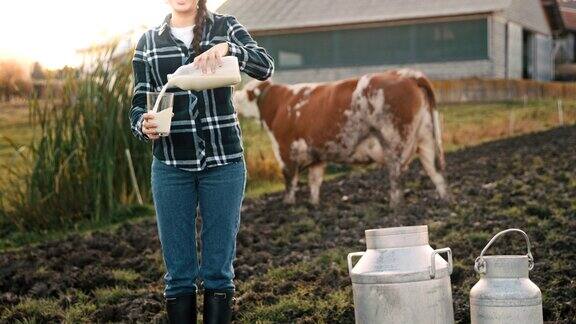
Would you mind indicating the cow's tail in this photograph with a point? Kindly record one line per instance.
(426, 85)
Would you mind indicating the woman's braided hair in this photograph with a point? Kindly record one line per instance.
(199, 25)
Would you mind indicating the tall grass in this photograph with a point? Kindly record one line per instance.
(77, 168)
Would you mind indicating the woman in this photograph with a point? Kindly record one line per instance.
(201, 162)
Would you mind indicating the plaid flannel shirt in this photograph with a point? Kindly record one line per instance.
(205, 130)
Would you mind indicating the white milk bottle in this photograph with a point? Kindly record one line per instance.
(188, 77)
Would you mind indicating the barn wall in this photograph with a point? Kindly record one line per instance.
(544, 60)
(443, 70)
(497, 48)
(514, 51)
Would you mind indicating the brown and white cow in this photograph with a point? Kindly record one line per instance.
(387, 118)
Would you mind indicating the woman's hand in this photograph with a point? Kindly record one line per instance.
(149, 127)
(210, 59)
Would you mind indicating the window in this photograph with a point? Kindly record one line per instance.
(290, 59)
(426, 42)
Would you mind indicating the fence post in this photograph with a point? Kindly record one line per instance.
(560, 112)
(133, 177)
(525, 100)
(442, 121)
(511, 123)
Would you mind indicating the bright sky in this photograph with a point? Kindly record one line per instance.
(50, 31)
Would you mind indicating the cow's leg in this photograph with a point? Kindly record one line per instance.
(291, 183)
(315, 177)
(426, 152)
(394, 171)
(390, 155)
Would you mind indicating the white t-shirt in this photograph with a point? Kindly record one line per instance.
(184, 34)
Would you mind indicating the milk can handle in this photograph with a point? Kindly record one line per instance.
(480, 263)
(448, 251)
(350, 256)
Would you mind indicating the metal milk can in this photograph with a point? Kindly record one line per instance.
(401, 279)
(504, 293)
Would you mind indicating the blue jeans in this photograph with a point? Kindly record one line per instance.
(218, 192)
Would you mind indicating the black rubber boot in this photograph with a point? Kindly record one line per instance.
(182, 309)
(218, 306)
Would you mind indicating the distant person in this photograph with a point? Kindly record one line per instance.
(201, 162)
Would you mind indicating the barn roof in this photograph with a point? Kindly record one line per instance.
(260, 15)
(554, 15)
(569, 18)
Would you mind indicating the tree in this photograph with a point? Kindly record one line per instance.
(38, 72)
(14, 80)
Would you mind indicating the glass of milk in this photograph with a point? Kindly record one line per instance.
(163, 116)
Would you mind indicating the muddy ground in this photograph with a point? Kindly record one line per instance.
(290, 264)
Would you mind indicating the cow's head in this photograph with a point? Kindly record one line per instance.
(246, 99)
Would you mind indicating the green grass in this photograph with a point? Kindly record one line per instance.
(32, 310)
(125, 276)
(16, 135)
(472, 124)
(16, 130)
(310, 301)
(111, 295)
(79, 307)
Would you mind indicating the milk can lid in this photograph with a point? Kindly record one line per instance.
(396, 230)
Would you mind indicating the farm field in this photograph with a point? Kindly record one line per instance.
(291, 262)
(16, 129)
(463, 125)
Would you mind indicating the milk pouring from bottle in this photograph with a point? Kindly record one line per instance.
(188, 77)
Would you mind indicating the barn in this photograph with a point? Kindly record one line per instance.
(321, 40)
